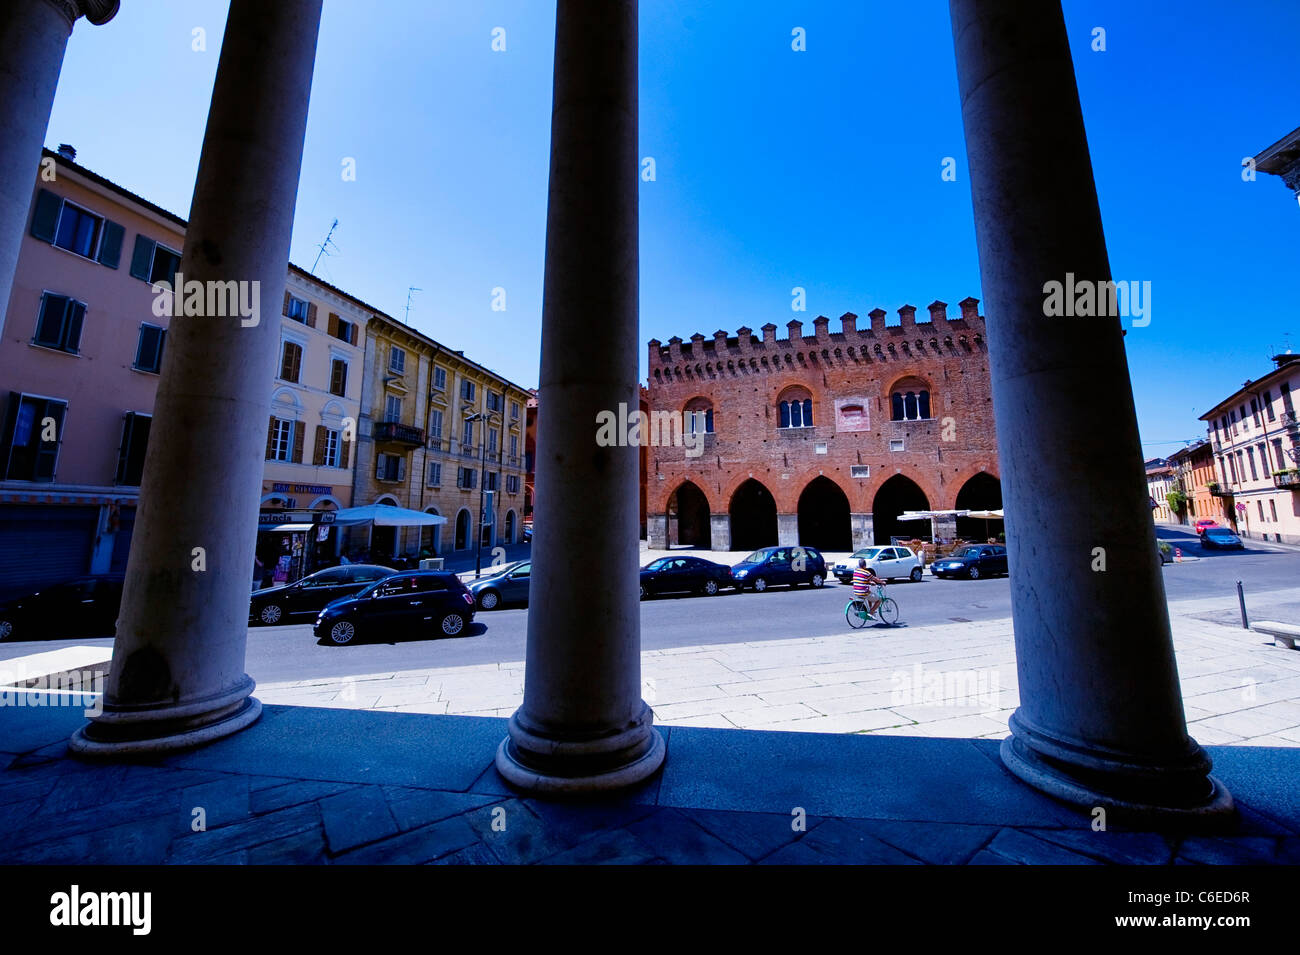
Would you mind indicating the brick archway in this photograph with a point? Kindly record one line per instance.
(752, 509)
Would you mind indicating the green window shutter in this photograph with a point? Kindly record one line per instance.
(345, 448)
(311, 314)
(142, 258)
(72, 326)
(298, 431)
(318, 449)
(46, 219)
(270, 439)
(110, 247)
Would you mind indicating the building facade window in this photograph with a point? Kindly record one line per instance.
(514, 411)
(512, 483)
(392, 408)
(166, 263)
(895, 444)
(32, 443)
(514, 445)
(338, 377)
(59, 323)
(494, 401)
(1268, 406)
(390, 467)
(439, 378)
(491, 481)
(697, 417)
(467, 435)
(795, 410)
(78, 230)
(297, 309)
(467, 390)
(130, 453)
(1250, 458)
(466, 478)
(435, 474)
(280, 445)
(326, 453)
(149, 349)
(290, 361)
(1272, 508)
(910, 401)
(397, 360)
(435, 424)
(492, 441)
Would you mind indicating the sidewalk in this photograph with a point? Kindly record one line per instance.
(952, 680)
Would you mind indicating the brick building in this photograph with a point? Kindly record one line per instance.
(826, 439)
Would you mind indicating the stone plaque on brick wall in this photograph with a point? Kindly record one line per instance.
(851, 414)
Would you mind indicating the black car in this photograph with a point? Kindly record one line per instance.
(669, 575)
(1220, 538)
(780, 565)
(410, 603)
(505, 585)
(81, 607)
(303, 599)
(975, 561)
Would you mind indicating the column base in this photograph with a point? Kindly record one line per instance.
(131, 731)
(1134, 795)
(549, 765)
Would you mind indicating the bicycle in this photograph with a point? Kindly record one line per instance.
(855, 611)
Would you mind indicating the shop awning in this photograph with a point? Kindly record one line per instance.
(384, 515)
(286, 527)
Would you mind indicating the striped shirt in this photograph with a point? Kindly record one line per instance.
(860, 586)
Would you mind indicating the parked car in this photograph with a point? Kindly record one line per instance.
(506, 584)
(684, 575)
(887, 562)
(1220, 538)
(81, 607)
(413, 602)
(304, 598)
(780, 565)
(975, 561)
(528, 533)
(1205, 522)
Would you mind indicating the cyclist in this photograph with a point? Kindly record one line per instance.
(863, 579)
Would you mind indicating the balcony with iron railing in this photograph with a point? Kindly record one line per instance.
(1218, 490)
(1288, 479)
(397, 433)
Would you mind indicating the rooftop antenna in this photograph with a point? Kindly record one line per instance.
(324, 246)
(407, 319)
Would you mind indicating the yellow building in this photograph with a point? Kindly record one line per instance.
(436, 430)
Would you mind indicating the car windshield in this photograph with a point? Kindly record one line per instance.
(970, 552)
(869, 553)
(1217, 532)
(659, 564)
(755, 558)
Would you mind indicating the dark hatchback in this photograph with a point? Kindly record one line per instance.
(414, 603)
(669, 575)
(81, 607)
(1220, 538)
(505, 585)
(303, 599)
(976, 561)
(780, 565)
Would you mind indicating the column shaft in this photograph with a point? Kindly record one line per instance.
(1101, 719)
(177, 677)
(583, 725)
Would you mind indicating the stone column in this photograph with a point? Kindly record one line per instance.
(787, 529)
(177, 677)
(33, 38)
(720, 532)
(583, 726)
(864, 532)
(656, 531)
(1101, 718)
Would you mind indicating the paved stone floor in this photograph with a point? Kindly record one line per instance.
(308, 785)
(955, 680)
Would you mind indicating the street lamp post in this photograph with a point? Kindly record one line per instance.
(486, 418)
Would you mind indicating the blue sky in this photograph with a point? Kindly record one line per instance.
(775, 168)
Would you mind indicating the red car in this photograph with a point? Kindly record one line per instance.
(1205, 522)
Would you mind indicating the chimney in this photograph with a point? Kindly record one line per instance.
(908, 316)
(68, 152)
(821, 328)
(769, 334)
(796, 331)
(970, 309)
(674, 349)
(697, 346)
(848, 324)
(719, 343)
(655, 344)
(877, 316)
(938, 311)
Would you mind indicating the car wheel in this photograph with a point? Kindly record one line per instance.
(342, 632)
(916, 574)
(818, 580)
(452, 625)
(271, 614)
(6, 630)
(760, 584)
(974, 573)
(489, 599)
(711, 588)
(643, 591)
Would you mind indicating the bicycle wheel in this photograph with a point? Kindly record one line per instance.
(857, 618)
(888, 611)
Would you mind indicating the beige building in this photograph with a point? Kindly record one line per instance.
(1255, 437)
(442, 434)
